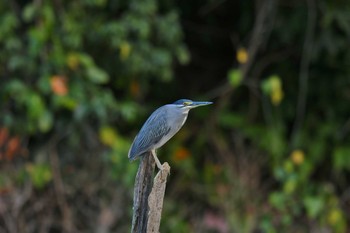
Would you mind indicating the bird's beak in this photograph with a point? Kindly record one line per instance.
(196, 104)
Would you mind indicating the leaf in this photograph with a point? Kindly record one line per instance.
(181, 153)
(16, 62)
(86, 60)
(235, 77)
(59, 85)
(314, 205)
(183, 55)
(334, 216)
(128, 110)
(40, 174)
(15, 88)
(297, 156)
(278, 200)
(124, 50)
(242, 55)
(45, 122)
(29, 12)
(290, 186)
(341, 158)
(272, 87)
(108, 136)
(66, 102)
(35, 106)
(73, 61)
(97, 75)
(13, 147)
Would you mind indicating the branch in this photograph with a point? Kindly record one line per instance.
(58, 184)
(260, 33)
(304, 68)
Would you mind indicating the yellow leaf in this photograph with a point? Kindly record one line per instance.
(290, 186)
(125, 49)
(73, 61)
(334, 216)
(242, 55)
(277, 96)
(297, 157)
(276, 90)
(108, 136)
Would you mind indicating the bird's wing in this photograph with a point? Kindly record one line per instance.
(154, 129)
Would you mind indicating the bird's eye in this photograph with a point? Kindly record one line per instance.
(187, 103)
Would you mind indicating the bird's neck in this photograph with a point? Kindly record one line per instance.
(185, 116)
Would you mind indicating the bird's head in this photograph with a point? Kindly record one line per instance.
(187, 104)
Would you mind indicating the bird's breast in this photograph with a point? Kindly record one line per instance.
(175, 125)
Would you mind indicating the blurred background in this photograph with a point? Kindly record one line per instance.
(79, 78)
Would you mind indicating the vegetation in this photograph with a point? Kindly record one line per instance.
(78, 79)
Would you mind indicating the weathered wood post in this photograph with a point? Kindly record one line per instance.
(148, 201)
(155, 200)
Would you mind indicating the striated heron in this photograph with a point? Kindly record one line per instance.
(162, 125)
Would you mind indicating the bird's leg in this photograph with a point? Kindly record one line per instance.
(159, 165)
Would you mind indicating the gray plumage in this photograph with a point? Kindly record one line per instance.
(162, 125)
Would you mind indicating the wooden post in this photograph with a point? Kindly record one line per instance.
(148, 201)
(142, 189)
(155, 200)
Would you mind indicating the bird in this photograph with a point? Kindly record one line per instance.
(160, 127)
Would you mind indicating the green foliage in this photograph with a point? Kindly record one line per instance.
(77, 78)
(70, 74)
(341, 158)
(55, 44)
(273, 87)
(40, 174)
(235, 77)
